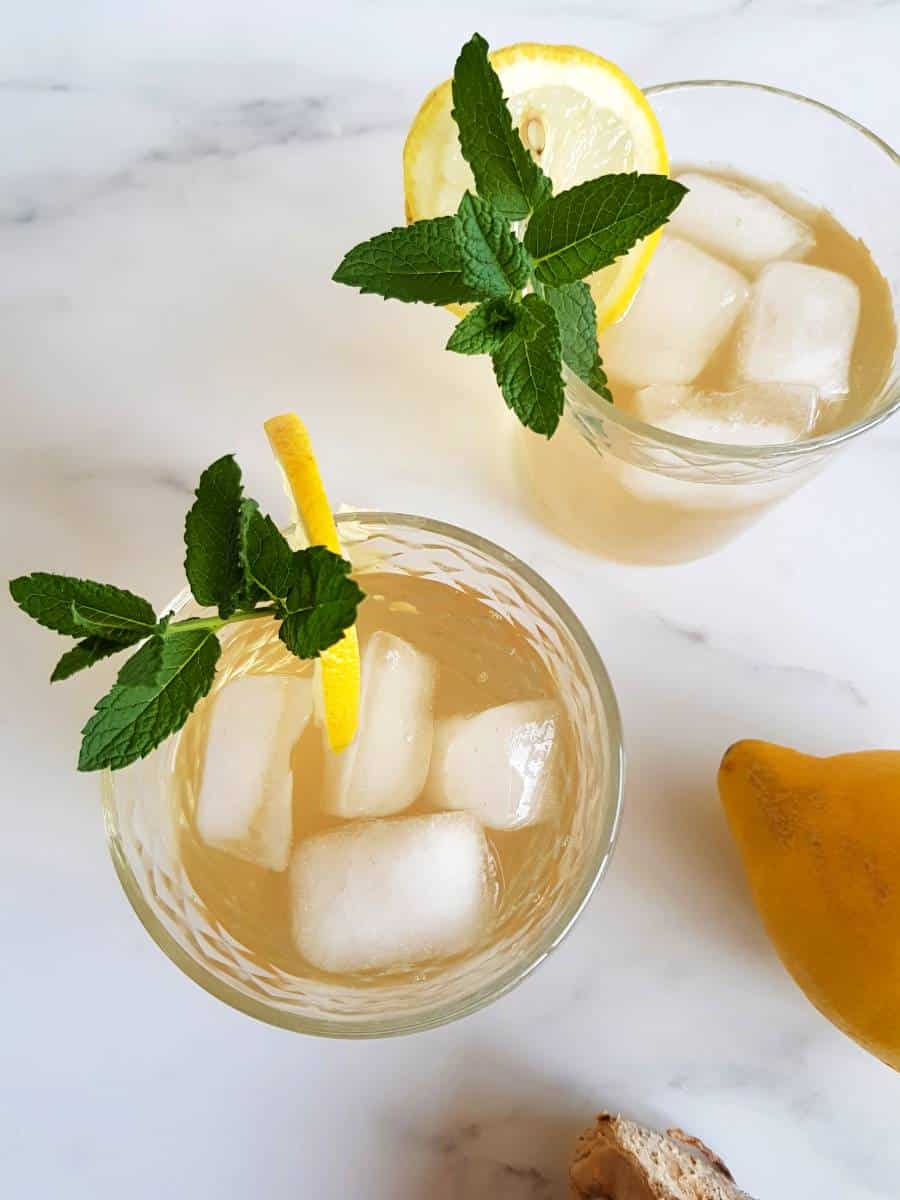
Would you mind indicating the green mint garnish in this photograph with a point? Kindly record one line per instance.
(505, 173)
(144, 665)
(268, 560)
(495, 263)
(55, 600)
(527, 366)
(417, 263)
(483, 329)
(577, 318)
(589, 226)
(212, 563)
(135, 716)
(309, 588)
(476, 255)
(101, 619)
(320, 603)
(237, 562)
(83, 655)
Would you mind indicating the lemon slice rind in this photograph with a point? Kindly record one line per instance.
(339, 668)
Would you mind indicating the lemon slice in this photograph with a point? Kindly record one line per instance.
(580, 116)
(339, 665)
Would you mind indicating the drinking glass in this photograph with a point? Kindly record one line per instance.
(141, 817)
(632, 492)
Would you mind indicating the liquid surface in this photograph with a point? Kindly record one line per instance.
(483, 660)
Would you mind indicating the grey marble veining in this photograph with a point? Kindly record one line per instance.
(178, 184)
(815, 678)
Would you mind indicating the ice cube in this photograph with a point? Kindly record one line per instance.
(498, 764)
(755, 414)
(383, 770)
(799, 327)
(391, 893)
(684, 309)
(739, 225)
(245, 800)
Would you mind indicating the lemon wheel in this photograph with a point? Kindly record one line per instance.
(580, 116)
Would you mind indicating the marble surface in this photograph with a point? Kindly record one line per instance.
(178, 182)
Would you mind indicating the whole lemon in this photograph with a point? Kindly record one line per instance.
(820, 842)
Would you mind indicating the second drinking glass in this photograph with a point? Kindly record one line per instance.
(637, 491)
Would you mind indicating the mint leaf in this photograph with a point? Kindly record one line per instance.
(268, 561)
(312, 594)
(211, 537)
(100, 618)
(527, 365)
(83, 655)
(589, 226)
(419, 262)
(144, 665)
(132, 719)
(598, 381)
(495, 262)
(505, 173)
(577, 317)
(320, 604)
(483, 329)
(52, 599)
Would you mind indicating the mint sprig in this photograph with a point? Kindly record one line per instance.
(237, 562)
(476, 255)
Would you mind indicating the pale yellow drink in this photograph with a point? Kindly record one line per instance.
(483, 659)
(629, 500)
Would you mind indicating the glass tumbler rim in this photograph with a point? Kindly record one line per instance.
(589, 404)
(612, 788)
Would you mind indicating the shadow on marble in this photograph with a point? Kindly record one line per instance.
(686, 855)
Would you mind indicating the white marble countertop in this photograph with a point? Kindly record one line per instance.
(178, 182)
